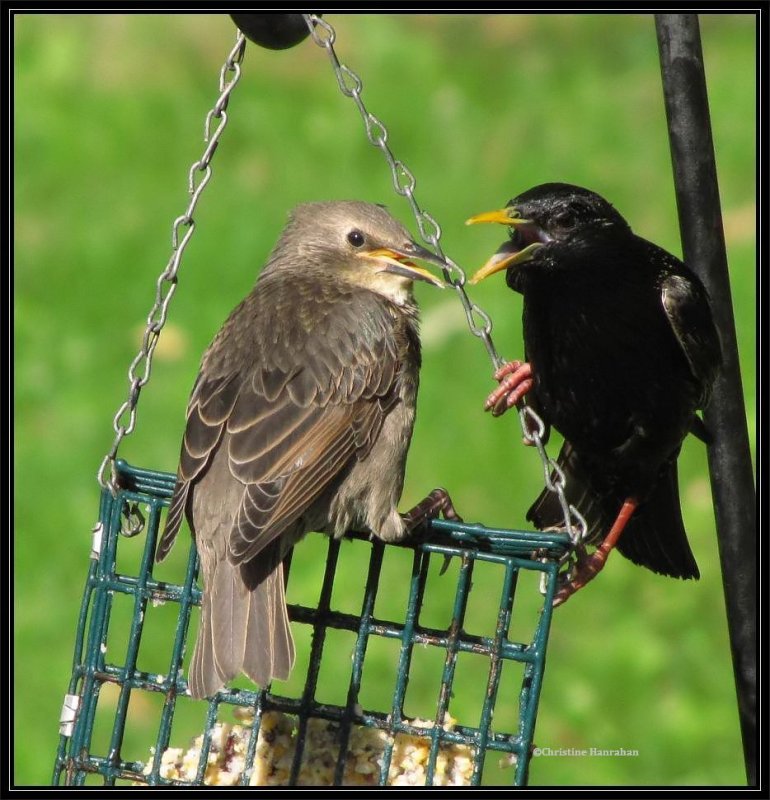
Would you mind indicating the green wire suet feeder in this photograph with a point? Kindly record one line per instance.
(110, 680)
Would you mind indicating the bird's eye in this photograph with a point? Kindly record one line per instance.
(565, 220)
(356, 238)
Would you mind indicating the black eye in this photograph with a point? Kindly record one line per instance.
(356, 238)
(566, 219)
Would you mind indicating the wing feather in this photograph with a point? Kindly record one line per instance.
(687, 308)
(293, 410)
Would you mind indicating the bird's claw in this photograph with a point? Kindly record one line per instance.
(588, 567)
(585, 570)
(438, 502)
(516, 380)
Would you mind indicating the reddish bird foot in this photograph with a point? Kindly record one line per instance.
(437, 502)
(515, 379)
(588, 567)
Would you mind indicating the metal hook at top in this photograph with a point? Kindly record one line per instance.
(273, 31)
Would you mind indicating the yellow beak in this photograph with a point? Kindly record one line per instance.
(503, 216)
(503, 260)
(398, 263)
(504, 257)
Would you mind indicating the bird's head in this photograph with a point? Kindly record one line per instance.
(359, 243)
(542, 221)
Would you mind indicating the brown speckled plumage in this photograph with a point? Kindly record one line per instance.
(300, 420)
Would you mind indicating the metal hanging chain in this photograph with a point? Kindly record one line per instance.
(199, 175)
(404, 182)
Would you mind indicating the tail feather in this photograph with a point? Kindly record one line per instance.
(229, 613)
(269, 647)
(654, 538)
(203, 679)
(244, 627)
(546, 511)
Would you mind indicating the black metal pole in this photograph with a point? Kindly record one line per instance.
(732, 476)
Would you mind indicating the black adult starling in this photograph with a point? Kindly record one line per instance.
(621, 351)
(299, 420)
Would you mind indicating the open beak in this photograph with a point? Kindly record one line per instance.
(397, 262)
(505, 257)
(515, 251)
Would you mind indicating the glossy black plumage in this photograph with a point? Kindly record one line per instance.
(623, 351)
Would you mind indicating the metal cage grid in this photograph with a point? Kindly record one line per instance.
(80, 760)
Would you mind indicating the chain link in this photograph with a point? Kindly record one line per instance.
(404, 183)
(479, 322)
(199, 175)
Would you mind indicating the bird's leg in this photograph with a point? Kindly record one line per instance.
(588, 567)
(437, 502)
(515, 379)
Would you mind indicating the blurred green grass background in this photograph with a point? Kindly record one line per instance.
(108, 118)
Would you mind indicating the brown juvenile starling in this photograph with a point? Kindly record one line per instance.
(299, 420)
(621, 350)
